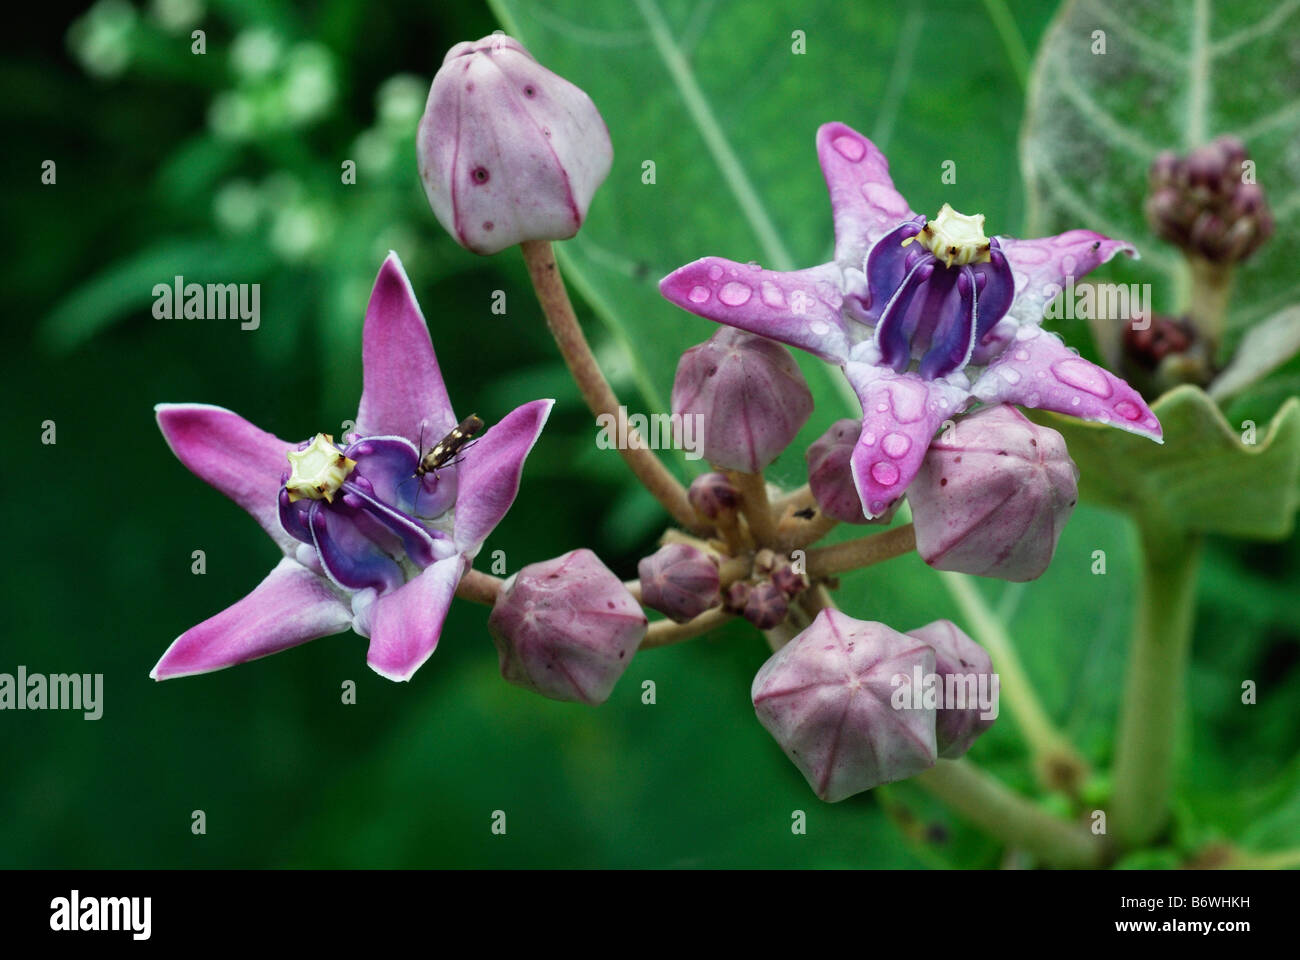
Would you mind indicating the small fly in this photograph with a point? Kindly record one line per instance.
(445, 449)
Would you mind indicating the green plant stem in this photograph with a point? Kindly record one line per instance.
(662, 633)
(991, 806)
(1210, 287)
(862, 552)
(1059, 765)
(1154, 691)
(554, 299)
(755, 507)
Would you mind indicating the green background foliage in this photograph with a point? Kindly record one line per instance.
(225, 168)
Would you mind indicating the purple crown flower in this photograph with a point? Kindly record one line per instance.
(371, 539)
(924, 316)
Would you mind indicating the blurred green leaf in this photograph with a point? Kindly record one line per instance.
(1204, 478)
(1174, 74)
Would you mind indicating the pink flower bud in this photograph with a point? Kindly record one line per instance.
(788, 582)
(736, 596)
(566, 628)
(508, 151)
(838, 699)
(766, 606)
(749, 395)
(678, 580)
(712, 495)
(993, 495)
(966, 670)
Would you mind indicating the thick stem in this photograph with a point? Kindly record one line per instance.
(600, 397)
(1058, 763)
(988, 804)
(664, 632)
(1211, 284)
(753, 504)
(479, 587)
(795, 531)
(1154, 692)
(863, 552)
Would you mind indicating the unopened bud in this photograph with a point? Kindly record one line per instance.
(679, 580)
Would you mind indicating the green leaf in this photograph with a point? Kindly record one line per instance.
(716, 96)
(1174, 74)
(1263, 349)
(1204, 478)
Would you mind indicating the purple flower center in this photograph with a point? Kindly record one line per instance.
(935, 289)
(373, 527)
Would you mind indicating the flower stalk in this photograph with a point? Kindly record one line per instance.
(862, 552)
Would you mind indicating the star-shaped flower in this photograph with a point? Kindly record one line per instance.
(924, 317)
(371, 539)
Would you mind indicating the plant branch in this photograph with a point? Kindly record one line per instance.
(863, 552)
(596, 391)
(479, 587)
(662, 633)
(753, 504)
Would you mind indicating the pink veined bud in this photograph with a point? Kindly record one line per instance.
(566, 628)
(967, 674)
(736, 596)
(788, 582)
(842, 700)
(712, 495)
(679, 580)
(742, 399)
(507, 150)
(766, 606)
(830, 474)
(993, 495)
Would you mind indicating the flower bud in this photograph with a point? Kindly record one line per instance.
(566, 628)
(766, 606)
(741, 398)
(839, 700)
(964, 668)
(788, 582)
(830, 474)
(678, 580)
(1205, 203)
(993, 495)
(712, 495)
(736, 596)
(508, 151)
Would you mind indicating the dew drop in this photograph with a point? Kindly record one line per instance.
(715, 272)
(1128, 410)
(698, 294)
(884, 473)
(1021, 355)
(772, 294)
(869, 439)
(1010, 374)
(735, 294)
(819, 327)
(896, 445)
(1083, 376)
(850, 148)
(1076, 401)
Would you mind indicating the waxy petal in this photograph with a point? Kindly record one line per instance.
(864, 203)
(405, 625)
(1041, 267)
(490, 471)
(900, 413)
(801, 308)
(1038, 370)
(226, 451)
(291, 606)
(348, 541)
(887, 266)
(953, 338)
(403, 393)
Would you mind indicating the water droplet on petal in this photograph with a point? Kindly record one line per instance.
(735, 294)
(887, 200)
(1128, 410)
(884, 473)
(1010, 374)
(908, 400)
(699, 294)
(820, 327)
(896, 445)
(715, 272)
(772, 295)
(1075, 401)
(850, 148)
(1021, 355)
(1084, 376)
(882, 408)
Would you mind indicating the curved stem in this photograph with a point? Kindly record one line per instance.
(863, 552)
(990, 805)
(664, 632)
(1059, 764)
(753, 504)
(1153, 694)
(600, 397)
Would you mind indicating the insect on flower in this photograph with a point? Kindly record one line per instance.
(445, 449)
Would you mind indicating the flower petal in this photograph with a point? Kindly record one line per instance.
(489, 473)
(405, 625)
(1038, 370)
(348, 541)
(291, 606)
(226, 451)
(801, 307)
(864, 203)
(403, 393)
(900, 413)
(1041, 267)
(953, 338)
